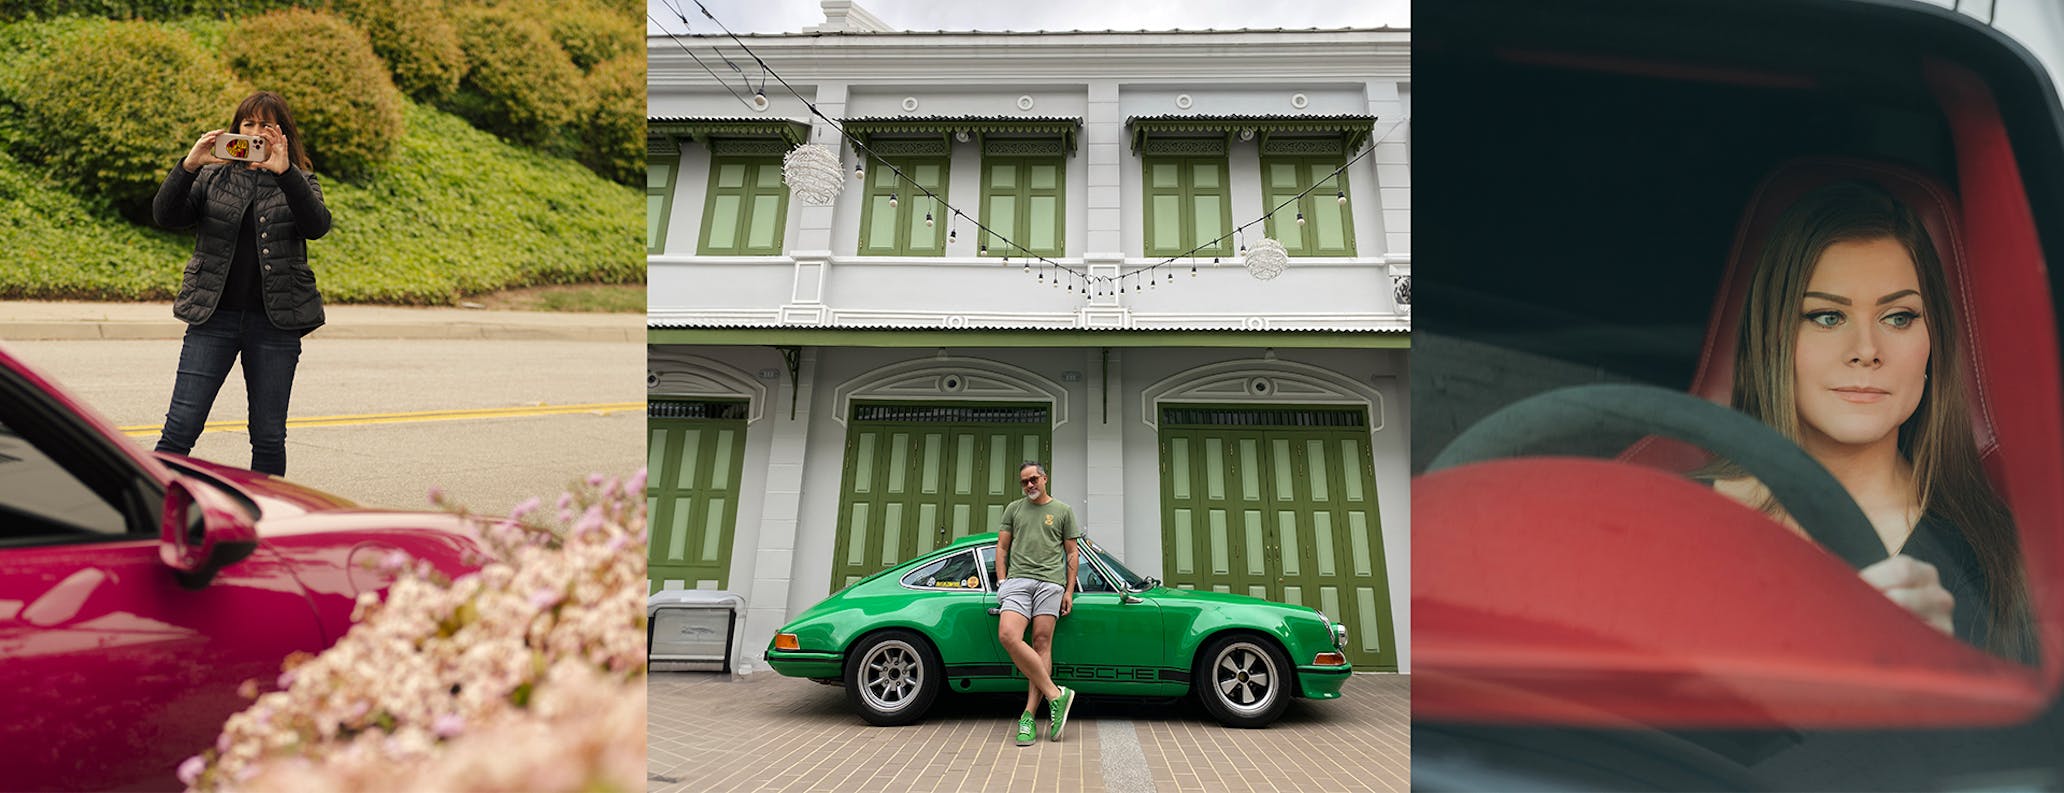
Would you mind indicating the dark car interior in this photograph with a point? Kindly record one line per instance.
(1594, 160)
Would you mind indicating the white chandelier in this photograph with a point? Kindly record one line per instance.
(1267, 259)
(812, 171)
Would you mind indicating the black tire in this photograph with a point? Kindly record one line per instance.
(893, 677)
(1243, 680)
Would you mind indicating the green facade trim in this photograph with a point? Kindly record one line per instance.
(1188, 200)
(901, 230)
(695, 471)
(912, 486)
(1282, 513)
(1325, 215)
(999, 337)
(1352, 130)
(757, 205)
(1065, 130)
(661, 173)
(703, 130)
(1018, 193)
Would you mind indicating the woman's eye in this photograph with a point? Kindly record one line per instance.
(1901, 319)
(1825, 319)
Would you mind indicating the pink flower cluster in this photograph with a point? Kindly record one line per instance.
(528, 674)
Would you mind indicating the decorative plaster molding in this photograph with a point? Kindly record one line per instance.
(971, 379)
(674, 373)
(1280, 383)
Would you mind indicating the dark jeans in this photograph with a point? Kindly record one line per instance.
(269, 354)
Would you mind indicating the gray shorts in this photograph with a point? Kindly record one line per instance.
(1031, 597)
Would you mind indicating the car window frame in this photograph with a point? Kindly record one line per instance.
(86, 455)
(903, 580)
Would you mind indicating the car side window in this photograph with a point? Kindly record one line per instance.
(1087, 579)
(40, 500)
(956, 572)
(989, 562)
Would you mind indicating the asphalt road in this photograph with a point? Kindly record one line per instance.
(512, 425)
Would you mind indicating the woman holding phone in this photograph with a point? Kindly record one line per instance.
(248, 292)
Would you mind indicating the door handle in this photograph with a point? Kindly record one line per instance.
(995, 611)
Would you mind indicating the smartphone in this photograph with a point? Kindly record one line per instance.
(243, 148)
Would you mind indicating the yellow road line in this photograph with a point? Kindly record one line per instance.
(406, 418)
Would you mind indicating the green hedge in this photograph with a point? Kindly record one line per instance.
(614, 139)
(416, 38)
(521, 84)
(112, 105)
(591, 36)
(348, 110)
(63, 245)
(136, 9)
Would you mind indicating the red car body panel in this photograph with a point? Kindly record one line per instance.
(116, 673)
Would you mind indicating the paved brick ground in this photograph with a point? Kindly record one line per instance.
(764, 732)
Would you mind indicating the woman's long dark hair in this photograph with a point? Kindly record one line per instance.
(1948, 476)
(266, 104)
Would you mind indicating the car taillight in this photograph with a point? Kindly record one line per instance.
(1329, 659)
(786, 641)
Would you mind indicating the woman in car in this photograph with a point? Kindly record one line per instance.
(1849, 347)
(247, 292)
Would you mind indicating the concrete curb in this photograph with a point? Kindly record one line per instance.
(58, 321)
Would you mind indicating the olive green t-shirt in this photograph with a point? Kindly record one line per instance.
(1036, 532)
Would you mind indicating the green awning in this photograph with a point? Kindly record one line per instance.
(1352, 131)
(702, 130)
(979, 128)
(973, 337)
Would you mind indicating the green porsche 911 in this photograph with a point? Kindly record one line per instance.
(897, 638)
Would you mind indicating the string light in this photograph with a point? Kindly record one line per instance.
(892, 200)
(928, 219)
(1340, 197)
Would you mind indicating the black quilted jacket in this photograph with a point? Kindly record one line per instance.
(290, 212)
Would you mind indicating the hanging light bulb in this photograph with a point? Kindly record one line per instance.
(892, 200)
(1300, 217)
(982, 249)
(952, 235)
(759, 100)
(1028, 265)
(1171, 272)
(928, 219)
(1340, 197)
(859, 171)
(1193, 269)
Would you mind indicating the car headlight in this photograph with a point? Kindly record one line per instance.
(1338, 630)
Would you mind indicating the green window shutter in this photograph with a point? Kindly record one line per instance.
(747, 210)
(1024, 201)
(1188, 203)
(659, 199)
(1329, 226)
(901, 230)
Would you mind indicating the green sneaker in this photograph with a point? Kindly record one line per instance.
(1058, 709)
(1027, 731)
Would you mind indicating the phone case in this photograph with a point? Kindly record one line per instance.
(242, 148)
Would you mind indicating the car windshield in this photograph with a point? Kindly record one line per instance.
(1129, 580)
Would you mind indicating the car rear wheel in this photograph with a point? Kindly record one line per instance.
(1243, 681)
(892, 677)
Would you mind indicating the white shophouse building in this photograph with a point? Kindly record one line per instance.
(839, 387)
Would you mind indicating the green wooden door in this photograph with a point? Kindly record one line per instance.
(1279, 503)
(695, 453)
(920, 476)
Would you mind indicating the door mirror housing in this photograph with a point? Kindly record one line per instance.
(201, 532)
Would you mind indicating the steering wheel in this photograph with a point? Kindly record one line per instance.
(1805, 489)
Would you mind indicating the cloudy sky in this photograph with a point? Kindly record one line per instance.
(790, 16)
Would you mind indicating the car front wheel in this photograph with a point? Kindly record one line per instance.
(892, 677)
(1243, 681)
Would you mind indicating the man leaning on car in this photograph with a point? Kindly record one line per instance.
(1036, 541)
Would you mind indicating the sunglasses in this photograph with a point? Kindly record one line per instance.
(1028, 480)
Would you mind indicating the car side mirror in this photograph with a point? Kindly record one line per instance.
(1129, 599)
(202, 531)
